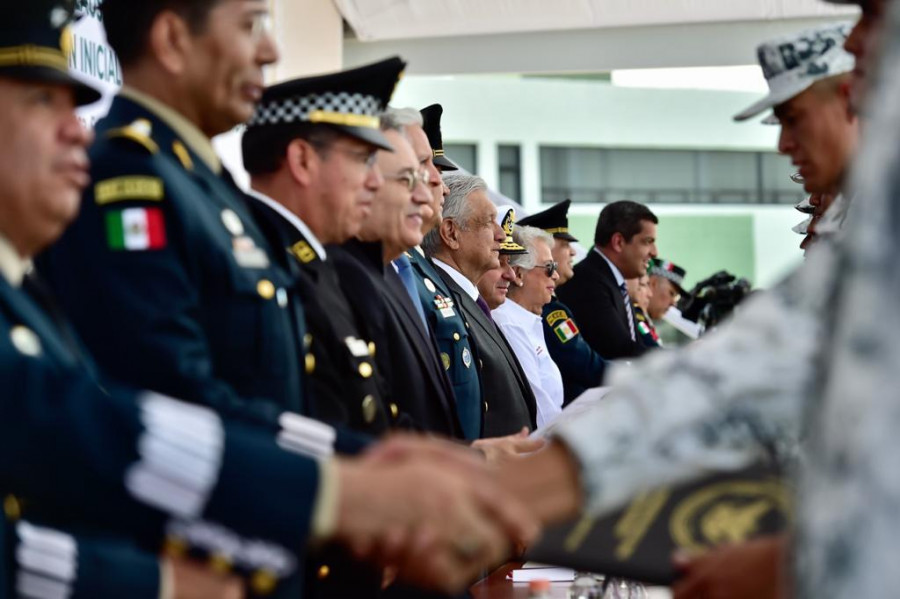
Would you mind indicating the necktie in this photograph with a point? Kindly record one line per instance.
(628, 311)
(484, 307)
(404, 270)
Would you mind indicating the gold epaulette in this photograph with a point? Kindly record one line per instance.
(139, 132)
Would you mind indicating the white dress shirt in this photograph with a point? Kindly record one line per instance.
(292, 218)
(459, 278)
(525, 333)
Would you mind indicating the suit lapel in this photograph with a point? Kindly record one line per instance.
(609, 281)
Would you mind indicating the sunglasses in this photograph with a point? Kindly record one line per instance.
(550, 268)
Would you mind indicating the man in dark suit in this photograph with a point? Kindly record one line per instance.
(380, 285)
(624, 243)
(464, 247)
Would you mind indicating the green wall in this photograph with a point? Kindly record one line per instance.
(701, 245)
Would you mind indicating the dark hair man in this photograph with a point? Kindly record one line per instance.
(624, 243)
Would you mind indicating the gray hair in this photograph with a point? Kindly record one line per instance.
(405, 116)
(397, 119)
(456, 207)
(528, 237)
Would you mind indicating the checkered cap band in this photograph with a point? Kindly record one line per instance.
(292, 110)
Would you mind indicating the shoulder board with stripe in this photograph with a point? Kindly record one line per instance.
(129, 187)
(138, 132)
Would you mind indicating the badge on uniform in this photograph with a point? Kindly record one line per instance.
(445, 358)
(247, 254)
(556, 316)
(467, 357)
(444, 305)
(25, 341)
(566, 331)
(429, 285)
(232, 222)
(357, 347)
(135, 229)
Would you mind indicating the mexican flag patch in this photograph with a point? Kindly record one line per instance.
(643, 328)
(566, 330)
(136, 229)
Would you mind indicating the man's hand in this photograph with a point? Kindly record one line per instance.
(500, 450)
(431, 509)
(195, 581)
(751, 570)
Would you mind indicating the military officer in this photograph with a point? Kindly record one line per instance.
(581, 367)
(423, 128)
(313, 182)
(666, 287)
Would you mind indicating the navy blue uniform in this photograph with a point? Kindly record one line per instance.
(169, 281)
(452, 333)
(75, 455)
(581, 367)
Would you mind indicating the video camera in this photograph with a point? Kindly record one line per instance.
(714, 298)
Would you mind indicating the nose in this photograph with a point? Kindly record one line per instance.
(499, 235)
(267, 50)
(555, 276)
(421, 194)
(73, 131)
(785, 141)
(852, 44)
(374, 178)
(653, 250)
(815, 199)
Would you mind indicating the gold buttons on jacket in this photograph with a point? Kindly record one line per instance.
(324, 571)
(220, 563)
(372, 348)
(12, 508)
(368, 409)
(456, 336)
(266, 289)
(310, 363)
(365, 370)
(395, 411)
(174, 547)
(263, 582)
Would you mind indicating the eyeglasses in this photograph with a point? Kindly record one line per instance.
(412, 178)
(550, 268)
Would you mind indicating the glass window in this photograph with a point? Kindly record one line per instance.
(464, 155)
(604, 175)
(510, 167)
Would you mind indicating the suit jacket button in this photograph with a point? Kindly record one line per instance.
(365, 370)
(368, 409)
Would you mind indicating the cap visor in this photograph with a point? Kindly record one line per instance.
(368, 135)
(510, 252)
(84, 94)
(445, 164)
(565, 236)
(773, 99)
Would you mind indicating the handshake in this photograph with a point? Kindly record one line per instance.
(432, 513)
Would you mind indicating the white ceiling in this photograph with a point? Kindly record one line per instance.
(378, 20)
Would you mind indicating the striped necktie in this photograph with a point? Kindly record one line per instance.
(628, 311)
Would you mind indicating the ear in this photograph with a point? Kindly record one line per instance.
(449, 232)
(302, 161)
(520, 277)
(845, 93)
(617, 242)
(171, 42)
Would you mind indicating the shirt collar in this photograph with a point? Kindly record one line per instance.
(13, 267)
(186, 130)
(518, 313)
(467, 285)
(620, 280)
(292, 218)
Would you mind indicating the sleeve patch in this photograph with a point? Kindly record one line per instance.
(556, 316)
(135, 229)
(121, 189)
(566, 331)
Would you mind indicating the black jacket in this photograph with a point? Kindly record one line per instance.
(597, 304)
(510, 403)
